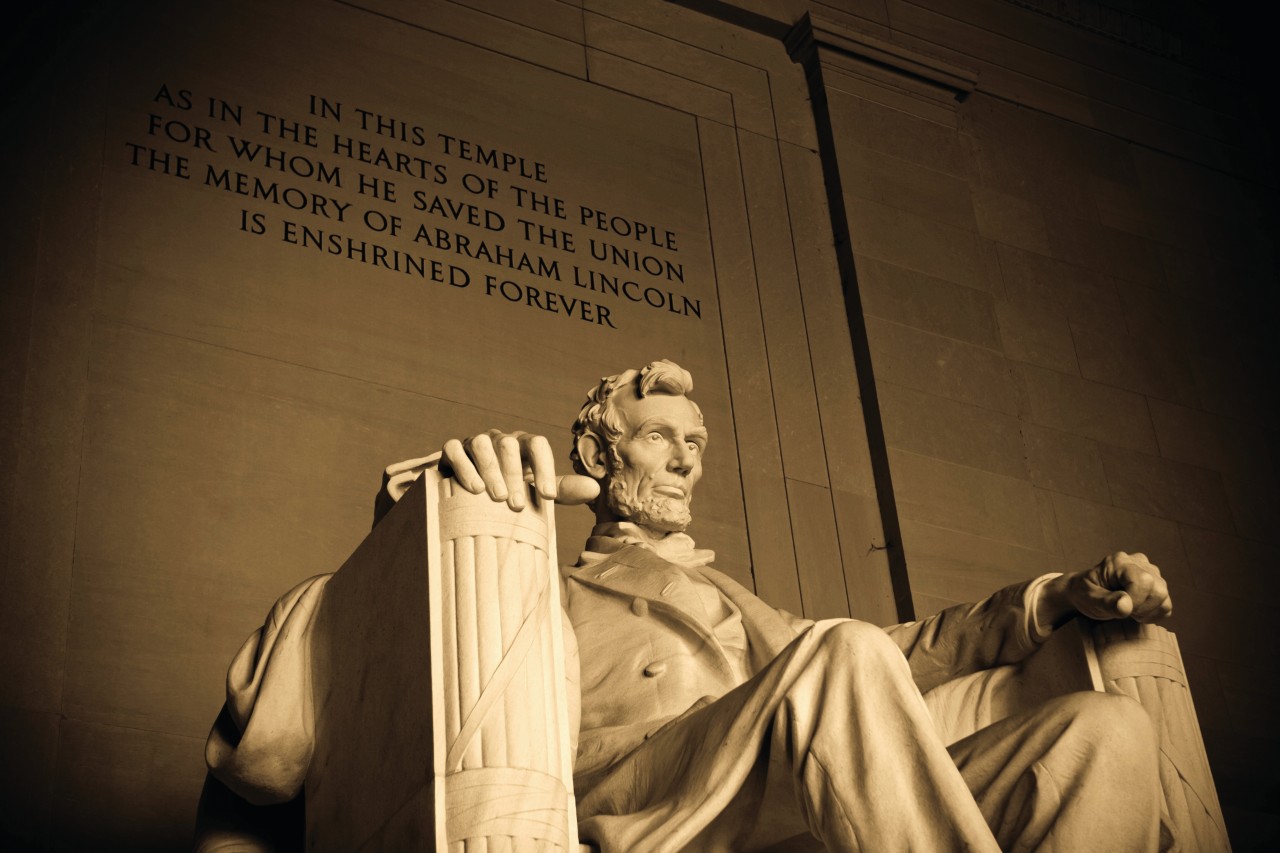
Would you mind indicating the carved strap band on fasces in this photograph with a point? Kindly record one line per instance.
(1131, 654)
(510, 801)
(492, 692)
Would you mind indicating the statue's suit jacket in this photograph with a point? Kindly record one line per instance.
(670, 743)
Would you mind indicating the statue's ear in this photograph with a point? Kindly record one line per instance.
(593, 456)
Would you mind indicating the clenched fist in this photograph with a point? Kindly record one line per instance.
(1120, 586)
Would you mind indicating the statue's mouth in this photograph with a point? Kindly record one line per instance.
(670, 492)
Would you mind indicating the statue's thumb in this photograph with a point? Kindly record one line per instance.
(576, 489)
(1120, 604)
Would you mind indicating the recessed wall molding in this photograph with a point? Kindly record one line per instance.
(841, 48)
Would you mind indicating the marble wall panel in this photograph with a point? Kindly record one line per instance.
(1231, 565)
(835, 377)
(943, 494)
(1037, 333)
(553, 43)
(654, 84)
(1190, 274)
(1255, 503)
(29, 741)
(1063, 462)
(1123, 207)
(1162, 487)
(760, 459)
(900, 134)
(1241, 772)
(1155, 313)
(917, 242)
(1084, 241)
(956, 432)
(822, 586)
(1226, 384)
(125, 789)
(43, 460)
(1210, 441)
(867, 567)
(20, 244)
(1024, 152)
(1252, 695)
(555, 17)
(1078, 291)
(941, 366)
(782, 309)
(958, 566)
(1150, 366)
(609, 31)
(740, 59)
(887, 179)
(843, 81)
(931, 304)
(1166, 177)
(1010, 219)
(1088, 409)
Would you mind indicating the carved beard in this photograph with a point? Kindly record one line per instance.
(655, 512)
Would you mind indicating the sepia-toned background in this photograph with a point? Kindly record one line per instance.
(971, 291)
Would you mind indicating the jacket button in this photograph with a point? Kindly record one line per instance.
(655, 669)
(640, 607)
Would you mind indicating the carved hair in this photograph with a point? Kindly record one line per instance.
(599, 415)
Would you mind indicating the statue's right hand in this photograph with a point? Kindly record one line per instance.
(502, 463)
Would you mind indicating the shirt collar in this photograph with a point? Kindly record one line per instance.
(609, 537)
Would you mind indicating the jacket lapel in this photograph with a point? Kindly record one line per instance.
(769, 630)
(636, 572)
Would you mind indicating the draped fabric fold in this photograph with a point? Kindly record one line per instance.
(261, 744)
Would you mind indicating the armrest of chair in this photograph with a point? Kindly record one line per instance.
(1064, 664)
(439, 683)
(1139, 661)
(1144, 663)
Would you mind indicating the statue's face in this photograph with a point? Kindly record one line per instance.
(657, 462)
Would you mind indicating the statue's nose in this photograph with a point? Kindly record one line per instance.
(681, 458)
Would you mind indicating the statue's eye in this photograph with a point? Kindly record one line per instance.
(655, 438)
(693, 447)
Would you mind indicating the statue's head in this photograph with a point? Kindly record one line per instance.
(642, 438)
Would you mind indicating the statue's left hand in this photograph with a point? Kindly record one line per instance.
(1120, 586)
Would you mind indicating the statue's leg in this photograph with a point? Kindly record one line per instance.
(1078, 773)
(839, 710)
(871, 771)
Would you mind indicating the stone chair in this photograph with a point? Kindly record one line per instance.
(441, 718)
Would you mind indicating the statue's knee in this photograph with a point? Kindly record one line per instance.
(861, 641)
(1116, 726)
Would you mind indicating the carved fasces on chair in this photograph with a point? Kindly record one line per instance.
(442, 718)
(507, 768)
(1143, 662)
